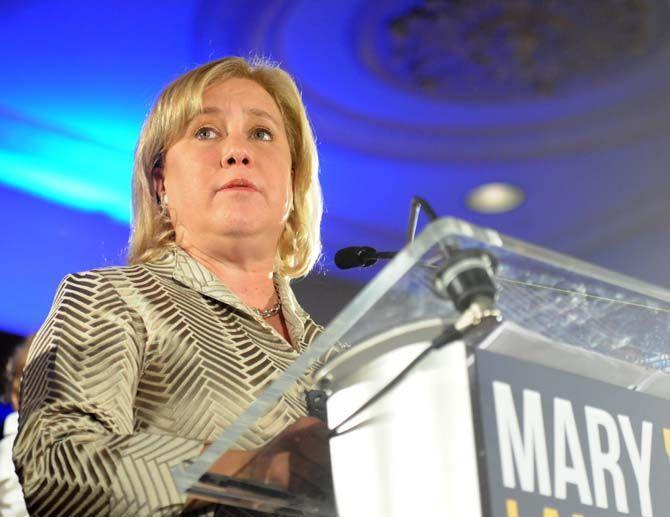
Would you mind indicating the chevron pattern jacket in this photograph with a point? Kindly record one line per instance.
(137, 367)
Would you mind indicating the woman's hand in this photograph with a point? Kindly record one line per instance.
(298, 459)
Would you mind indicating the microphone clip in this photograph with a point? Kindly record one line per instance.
(467, 279)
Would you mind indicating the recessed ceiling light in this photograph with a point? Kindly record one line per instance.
(495, 198)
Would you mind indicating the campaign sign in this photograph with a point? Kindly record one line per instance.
(562, 445)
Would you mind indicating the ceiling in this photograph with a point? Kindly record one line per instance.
(566, 100)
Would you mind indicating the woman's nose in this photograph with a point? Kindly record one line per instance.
(236, 156)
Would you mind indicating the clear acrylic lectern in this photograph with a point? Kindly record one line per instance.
(473, 429)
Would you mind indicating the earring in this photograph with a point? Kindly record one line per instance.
(164, 200)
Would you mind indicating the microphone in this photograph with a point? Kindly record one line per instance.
(365, 256)
(360, 256)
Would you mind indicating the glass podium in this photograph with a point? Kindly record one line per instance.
(460, 433)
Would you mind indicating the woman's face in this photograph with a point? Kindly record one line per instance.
(230, 173)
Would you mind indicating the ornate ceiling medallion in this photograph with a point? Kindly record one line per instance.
(506, 49)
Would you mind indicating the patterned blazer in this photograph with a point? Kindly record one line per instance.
(133, 371)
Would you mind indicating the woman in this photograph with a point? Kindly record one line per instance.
(138, 368)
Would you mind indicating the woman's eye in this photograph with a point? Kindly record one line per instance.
(261, 134)
(205, 133)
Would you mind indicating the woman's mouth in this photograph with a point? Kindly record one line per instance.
(240, 185)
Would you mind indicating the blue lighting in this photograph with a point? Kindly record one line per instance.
(81, 78)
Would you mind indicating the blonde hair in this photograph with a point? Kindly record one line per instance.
(152, 233)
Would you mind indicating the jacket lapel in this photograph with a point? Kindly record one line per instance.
(191, 273)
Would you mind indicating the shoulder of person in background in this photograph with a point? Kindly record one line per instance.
(5, 410)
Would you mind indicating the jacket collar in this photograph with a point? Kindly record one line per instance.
(191, 273)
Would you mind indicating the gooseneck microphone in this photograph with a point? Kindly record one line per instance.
(360, 256)
(465, 276)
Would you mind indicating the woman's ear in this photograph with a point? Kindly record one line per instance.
(159, 184)
(292, 190)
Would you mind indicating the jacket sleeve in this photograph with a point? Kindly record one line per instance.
(77, 451)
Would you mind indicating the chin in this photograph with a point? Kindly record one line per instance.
(239, 226)
(245, 224)
(238, 232)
